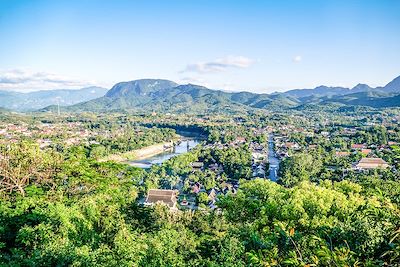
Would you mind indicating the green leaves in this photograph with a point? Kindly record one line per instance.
(299, 167)
(23, 164)
(75, 211)
(331, 224)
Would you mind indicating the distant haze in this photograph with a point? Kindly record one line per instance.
(39, 99)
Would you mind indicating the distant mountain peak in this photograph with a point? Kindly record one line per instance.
(191, 85)
(139, 87)
(321, 90)
(393, 86)
(361, 87)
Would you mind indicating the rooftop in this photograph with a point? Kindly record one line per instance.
(372, 163)
(164, 196)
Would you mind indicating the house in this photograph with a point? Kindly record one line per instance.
(212, 194)
(196, 188)
(366, 151)
(167, 197)
(325, 134)
(257, 156)
(44, 143)
(259, 171)
(228, 188)
(371, 163)
(197, 165)
(72, 141)
(213, 167)
(240, 140)
(348, 131)
(216, 168)
(291, 145)
(357, 146)
(342, 153)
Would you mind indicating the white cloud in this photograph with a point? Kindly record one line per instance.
(219, 65)
(297, 59)
(26, 80)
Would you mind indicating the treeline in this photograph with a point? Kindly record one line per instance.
(128, 139)
(194, 129)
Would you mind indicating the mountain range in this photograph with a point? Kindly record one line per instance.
(167, 96)
(39, 99)
(164, 95)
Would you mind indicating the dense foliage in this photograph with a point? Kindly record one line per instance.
(59, 206)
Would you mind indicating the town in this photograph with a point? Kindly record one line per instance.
(229, 150)
(215, 176)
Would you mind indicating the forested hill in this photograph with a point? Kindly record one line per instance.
(167, 96)
(163, 95)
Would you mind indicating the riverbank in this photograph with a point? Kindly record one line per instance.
(139, 154)
(190, 135)
(179, 148)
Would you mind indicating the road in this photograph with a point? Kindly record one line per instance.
(272, 159)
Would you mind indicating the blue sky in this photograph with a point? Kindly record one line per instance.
(260, 46)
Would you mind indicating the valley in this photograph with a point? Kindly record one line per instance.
(286, 172)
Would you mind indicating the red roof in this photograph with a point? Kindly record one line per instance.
(366, 151)
(241, 139)
(357, 146)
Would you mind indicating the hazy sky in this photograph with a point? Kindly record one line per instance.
(259, 46)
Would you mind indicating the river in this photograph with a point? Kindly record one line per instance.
(184, 146)
(273, 160)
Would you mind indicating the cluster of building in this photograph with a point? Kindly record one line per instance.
(71, 133)
(67, 133)
(259, 153)
(259, 164)
(363, 157)
(284, 147)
